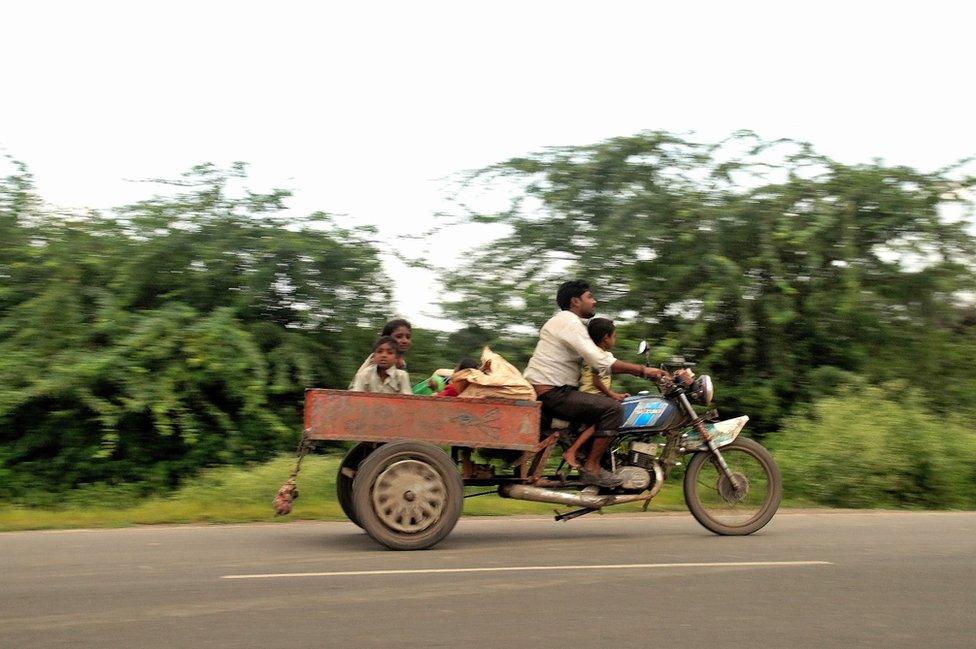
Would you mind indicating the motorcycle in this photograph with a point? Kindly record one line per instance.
(732, 485)
(400, 485)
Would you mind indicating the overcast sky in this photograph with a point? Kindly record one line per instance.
(362, 109)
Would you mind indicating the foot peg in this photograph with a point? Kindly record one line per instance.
(576, 513)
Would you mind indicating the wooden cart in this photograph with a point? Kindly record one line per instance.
(400, 484)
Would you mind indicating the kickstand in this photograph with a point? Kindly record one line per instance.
(575, 513)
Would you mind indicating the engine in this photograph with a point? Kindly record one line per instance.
(636, 473)
(634, 477)
(642, 454)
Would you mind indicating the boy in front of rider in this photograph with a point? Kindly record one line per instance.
(382, 375)
(603, 332)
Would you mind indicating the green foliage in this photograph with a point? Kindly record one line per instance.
(765, 260)
(881, 447)
(175, 334)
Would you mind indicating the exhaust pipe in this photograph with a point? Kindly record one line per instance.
(579, 499)
(540, 495)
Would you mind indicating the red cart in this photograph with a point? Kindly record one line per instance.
(406, 491)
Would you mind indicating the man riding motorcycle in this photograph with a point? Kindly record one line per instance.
(554, 372)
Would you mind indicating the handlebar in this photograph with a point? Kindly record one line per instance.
(676, 385)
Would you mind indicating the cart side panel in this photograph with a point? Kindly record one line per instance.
(369, 417)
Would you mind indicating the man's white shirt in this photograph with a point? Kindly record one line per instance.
(563, 342)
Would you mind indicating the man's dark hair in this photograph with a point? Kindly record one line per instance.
(568, 290)
(393, 325)
(466, 364)
(387, 340)
(600, 328)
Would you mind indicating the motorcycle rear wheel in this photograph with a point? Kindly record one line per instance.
(722, 508)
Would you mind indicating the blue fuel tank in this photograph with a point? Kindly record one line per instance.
(646, 412)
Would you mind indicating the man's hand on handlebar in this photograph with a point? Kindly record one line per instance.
(666, 382)
(651, 373)
(666, 385)
(660, 377)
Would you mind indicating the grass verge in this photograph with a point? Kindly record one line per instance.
(238, 495)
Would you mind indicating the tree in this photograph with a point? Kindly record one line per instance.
(769, 258)
(172, 334)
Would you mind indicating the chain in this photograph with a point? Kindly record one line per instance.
(304, 446)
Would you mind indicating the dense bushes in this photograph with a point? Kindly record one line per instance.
(877, 447)
(174, 334)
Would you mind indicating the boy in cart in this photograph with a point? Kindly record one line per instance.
(382, 375)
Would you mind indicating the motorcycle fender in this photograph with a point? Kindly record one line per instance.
(722, 432)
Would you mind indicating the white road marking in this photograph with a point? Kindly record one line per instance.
(611, 566)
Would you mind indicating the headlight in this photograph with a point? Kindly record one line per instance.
(701, 390)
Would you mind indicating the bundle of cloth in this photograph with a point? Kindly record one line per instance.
(495, 378)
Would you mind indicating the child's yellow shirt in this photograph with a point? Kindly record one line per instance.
(586, 380)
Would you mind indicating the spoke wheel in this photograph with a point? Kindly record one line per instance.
(408, 495)
(738, 506)
(343, 485)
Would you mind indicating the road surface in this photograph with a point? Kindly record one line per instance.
(810, 579)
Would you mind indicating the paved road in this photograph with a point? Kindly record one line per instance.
(890, 580)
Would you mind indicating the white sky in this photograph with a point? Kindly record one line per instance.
(362, 108)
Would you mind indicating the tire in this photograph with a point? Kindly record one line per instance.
(740, 453)
(343, 484)
(408, 495)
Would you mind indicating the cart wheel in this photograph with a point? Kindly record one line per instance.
(343, 483)
(407, 495)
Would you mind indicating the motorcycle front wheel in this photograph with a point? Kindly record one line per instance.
(734, 509)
